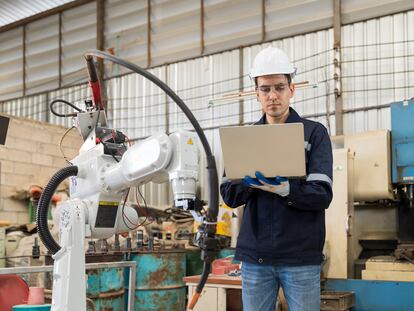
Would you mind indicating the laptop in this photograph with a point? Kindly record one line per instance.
(272, 149)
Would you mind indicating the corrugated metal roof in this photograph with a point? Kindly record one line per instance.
(15, 10)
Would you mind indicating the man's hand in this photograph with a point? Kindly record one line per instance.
(278, 185)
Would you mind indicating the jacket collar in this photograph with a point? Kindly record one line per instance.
(292, 118)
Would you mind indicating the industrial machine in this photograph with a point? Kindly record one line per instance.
(378, 203)
(402, 131)
(100, 178)
(370, 223)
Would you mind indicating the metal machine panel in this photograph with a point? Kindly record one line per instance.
(372, 179)
(376, 295)
(338, 245)
(402, 116)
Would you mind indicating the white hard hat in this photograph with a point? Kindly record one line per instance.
(270, 61)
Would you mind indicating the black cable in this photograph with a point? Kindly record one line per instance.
(204, 277)
(66, 103)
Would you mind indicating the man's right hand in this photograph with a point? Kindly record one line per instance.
(278, 185)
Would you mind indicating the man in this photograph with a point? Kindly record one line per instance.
(283, 229)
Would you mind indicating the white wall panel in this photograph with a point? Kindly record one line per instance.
(78, 36)
(42, 55)
(200, 81)
(11, 63)
(357, 10)
(377, 69)
(126, 32)
(192, 81)
(287, 18)
(231, 23)
(175, 30)
(226, 70)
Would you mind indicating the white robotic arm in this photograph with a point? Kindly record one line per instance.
(96, 209)
(158, 159)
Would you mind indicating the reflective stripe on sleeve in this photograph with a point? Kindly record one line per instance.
(307, 146)
(319, 177)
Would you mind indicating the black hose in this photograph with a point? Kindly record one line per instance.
(203, 278)
(66, 103)
(43, 207)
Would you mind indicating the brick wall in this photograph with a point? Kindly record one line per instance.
(31, 156)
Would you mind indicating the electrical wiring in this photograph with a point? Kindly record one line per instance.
(66, 103)
(124, 216)
(60, 144)
(146, 208)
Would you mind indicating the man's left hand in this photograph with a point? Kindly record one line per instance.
(278, 185)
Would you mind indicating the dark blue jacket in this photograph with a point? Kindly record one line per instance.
(287, 230)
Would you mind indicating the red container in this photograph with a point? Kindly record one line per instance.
(223, 266)
(13, 291)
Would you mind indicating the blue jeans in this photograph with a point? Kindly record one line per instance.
(300, 284)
